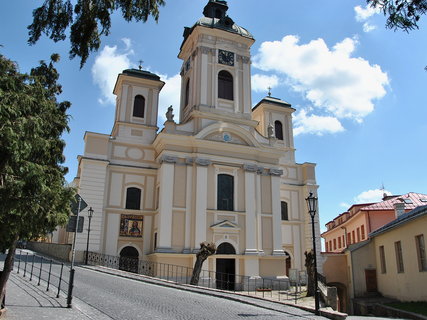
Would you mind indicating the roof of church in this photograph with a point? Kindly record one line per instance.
(215, 17)
(141, 74)
(272, 100)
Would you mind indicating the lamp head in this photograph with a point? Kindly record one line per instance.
(90, 212)
(311, 204)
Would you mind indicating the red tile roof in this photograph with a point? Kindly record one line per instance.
(411, 200)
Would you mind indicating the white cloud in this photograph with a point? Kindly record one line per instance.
(170, 95)
(367, 27)
(315, 124)
(331, 79)
(375, 195)
(262, 82)
(108, 64)
(345, 205)
(363, 14)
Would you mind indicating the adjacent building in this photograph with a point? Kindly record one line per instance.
(225, 172)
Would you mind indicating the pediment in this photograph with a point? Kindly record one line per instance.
(225, 225)
(227, 137)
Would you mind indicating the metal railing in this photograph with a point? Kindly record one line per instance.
(276, 289)
(41, 269)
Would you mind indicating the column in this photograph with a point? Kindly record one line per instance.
(166, 178)
(277, 219)
(258, 211)
(250, 205)
(201, 194)
(188, 206)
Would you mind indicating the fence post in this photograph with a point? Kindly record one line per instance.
(32, 267)
(25, 267)
(48, 278)
(41, 268)
(60, 280)
(19, 260)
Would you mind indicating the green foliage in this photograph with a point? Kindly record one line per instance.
(33, 195)
(401, 14)
(88, 19)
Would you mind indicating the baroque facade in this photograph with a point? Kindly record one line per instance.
(225, 173)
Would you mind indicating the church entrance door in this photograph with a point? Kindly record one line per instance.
(225, 267)
(225, 273)
(129, 259)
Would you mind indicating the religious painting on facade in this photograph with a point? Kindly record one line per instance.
(131, 226)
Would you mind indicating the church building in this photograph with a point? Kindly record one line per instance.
(224, 172)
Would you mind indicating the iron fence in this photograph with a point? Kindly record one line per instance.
(41, 269)
(276, 289)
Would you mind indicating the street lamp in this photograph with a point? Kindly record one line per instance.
(312, 207)
(90, 215)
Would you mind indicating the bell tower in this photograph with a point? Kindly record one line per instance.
(215, 74)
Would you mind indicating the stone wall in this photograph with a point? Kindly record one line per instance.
(58, 251)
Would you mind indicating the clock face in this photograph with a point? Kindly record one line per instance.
(226, 57)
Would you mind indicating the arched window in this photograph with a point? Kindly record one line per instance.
(139, 106)
(284, 210)
(133, 198)
(225, 248)
(225, 192)
(187, 92)
(278, 129)
(225, 85)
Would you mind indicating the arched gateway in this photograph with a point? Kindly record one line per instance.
(225, 267)
(129, 259)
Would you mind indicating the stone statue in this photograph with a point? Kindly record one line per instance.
(206, 249)
(270, 131)
(309, 264)
(169, 114)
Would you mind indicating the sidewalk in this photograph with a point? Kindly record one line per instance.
(27, 301)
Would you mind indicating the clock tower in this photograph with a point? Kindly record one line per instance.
(215, 74)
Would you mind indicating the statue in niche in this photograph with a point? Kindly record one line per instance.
(169, 114)
(206, 249)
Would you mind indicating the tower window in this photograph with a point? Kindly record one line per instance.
(225, 192)
(225, 85)
(187, 92)
(139, 106)
(284, 210)
(133, 198)
(278, 129)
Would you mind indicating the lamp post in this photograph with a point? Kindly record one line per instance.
(90, 215)
(312, 207)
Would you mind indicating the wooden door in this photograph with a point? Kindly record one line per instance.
(371, 280)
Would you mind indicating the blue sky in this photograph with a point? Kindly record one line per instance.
(358, 88)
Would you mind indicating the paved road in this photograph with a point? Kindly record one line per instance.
(120, 298)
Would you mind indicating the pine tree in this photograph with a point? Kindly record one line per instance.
(33, 193)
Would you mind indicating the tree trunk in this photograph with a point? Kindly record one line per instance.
(7, 269)
(196, 271)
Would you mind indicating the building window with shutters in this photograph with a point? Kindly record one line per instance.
(399, 256)
(382, 260)
(421, 252)
(139, 106)
(225, 85)
(187, 93)
(133, 198)
(225, 192)
(278, 129)
(284, 210)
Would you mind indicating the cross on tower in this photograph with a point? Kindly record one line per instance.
(269, 91)
(140, 64)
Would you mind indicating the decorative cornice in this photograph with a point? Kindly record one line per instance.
(168, 159)
(189, 161)
(250, 167)
(202, 162)
(276, 172)
(244, 59)
(207, 50)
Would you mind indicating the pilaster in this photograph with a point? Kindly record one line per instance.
(250, 206)
(201, 194)
(275, 205)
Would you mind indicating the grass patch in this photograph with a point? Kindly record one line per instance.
(416, 307)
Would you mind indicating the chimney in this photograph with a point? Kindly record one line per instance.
(399, 209)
